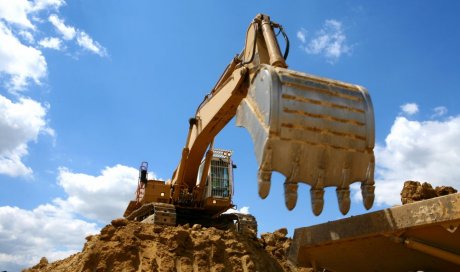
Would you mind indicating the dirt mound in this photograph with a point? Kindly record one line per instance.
(416, 191)
(133, 246)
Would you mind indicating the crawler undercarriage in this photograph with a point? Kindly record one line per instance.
(170, 215)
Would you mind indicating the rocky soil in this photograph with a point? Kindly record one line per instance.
(132, 246)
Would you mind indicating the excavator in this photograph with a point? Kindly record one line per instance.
(312, 130)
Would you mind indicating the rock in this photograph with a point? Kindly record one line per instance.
(215, 237)
(268, 239)
(415, 191)
(427, 191)
(444, 190)
(196, 227)
(119, 222)
(43, 261)
(107, 232)
(281, 233)
(157, 229)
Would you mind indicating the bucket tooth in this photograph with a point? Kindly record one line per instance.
(343, 196)
(290, 194)
(367, 191)
(343, 192)
(317, 193)
(317, 200)
(264, 183)
(367, 188)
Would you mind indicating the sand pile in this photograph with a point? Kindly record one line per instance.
(133, 246)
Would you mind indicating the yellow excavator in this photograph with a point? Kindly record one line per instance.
(311, 129)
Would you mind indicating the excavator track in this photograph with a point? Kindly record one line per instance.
(155, 213)
(246, 224)
(165, 214)
(243, 223)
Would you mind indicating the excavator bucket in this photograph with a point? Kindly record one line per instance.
(312, 130)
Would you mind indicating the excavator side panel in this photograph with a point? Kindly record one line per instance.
(312, 130)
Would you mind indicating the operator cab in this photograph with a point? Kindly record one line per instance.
(219, 183)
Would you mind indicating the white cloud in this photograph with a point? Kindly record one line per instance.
(85, 41)
(11, 163)
(439, 111)
(409, 108)
(56, 230)
(51, 42)
(48, 230)
(243, 210)
(302, 35)
(16, 12)
(46, 4)
(20, 123)
(102, 197)
(20, 62)
(417, 150)
(67, 32)
(24, 63)
(27, 36)
(329, 41)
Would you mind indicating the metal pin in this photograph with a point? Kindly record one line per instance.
(290, 194)
(264, 182)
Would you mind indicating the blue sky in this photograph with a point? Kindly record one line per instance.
(89, 89)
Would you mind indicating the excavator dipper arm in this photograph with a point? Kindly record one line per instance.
(216, 111)
(221, 104)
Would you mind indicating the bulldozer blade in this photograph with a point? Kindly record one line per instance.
(312, 130)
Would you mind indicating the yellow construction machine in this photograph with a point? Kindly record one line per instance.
(311, 129)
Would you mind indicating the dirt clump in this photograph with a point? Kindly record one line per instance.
(444, 190)
(41, 265)
(132, 246)
(277, 244)
(415, 191)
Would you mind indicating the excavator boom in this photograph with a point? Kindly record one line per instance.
(313, 130)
